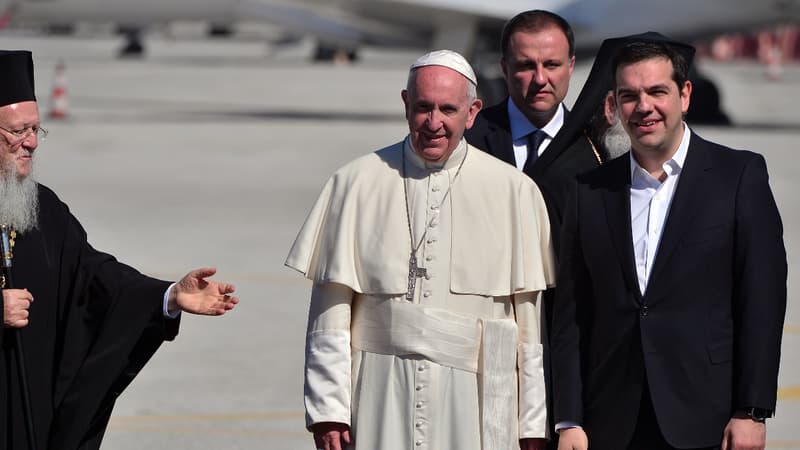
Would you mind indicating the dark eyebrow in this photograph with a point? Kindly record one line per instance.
(658, 86)
(661, 86)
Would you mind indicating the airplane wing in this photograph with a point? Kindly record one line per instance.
(461, 25)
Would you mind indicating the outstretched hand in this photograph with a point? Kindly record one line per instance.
(194, 294)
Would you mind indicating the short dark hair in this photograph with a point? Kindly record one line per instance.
(640, 51)
(532, 21)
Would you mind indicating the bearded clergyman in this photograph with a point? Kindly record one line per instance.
(77, 324)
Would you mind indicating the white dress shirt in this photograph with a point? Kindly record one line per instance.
(650, 203)
(521, 127)
(165, 304)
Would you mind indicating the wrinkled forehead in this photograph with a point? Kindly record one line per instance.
(22, 113)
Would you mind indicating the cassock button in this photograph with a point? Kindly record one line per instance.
(435, 188)
(427, 275)
(418, 443)
(419, 405)
(643, 311)
(429, 258)
(418, 424)
(426, 294)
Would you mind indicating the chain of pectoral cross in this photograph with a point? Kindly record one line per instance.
(414, 271)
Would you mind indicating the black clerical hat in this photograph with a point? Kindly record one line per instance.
(16, 77)
(686, 51)
(600, 81)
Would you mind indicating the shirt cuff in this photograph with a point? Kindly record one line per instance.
(166, 304)
(562, 425)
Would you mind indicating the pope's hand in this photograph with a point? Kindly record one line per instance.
(194, 294)
(16, 303)
(533, 444)
(331, 435)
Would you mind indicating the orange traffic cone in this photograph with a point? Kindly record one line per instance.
(58, 99)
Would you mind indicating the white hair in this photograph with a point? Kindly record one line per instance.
(19, 199)
(615, 139)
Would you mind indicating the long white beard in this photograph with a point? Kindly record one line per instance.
(616, 140)
(19, 200)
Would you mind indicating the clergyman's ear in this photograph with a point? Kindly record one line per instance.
(610, 108)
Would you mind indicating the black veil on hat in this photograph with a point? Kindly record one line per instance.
(16, 77)
(600, 82)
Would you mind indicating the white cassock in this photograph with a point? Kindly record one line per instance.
(460, 365)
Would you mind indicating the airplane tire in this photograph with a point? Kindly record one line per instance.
(133, 47)
(329, 53)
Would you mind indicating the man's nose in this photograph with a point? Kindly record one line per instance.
(30, 141)
(539, 76)
(643, 104)
(434, 121)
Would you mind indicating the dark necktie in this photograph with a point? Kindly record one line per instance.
(535, 139)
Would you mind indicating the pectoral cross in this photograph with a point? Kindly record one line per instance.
(414, 272)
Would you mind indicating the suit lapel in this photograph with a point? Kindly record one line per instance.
(616, 201)
(499, 140)
(688, 197)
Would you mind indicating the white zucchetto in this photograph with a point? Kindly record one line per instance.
(449, 59)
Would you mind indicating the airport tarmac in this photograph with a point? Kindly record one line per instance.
(212, 153)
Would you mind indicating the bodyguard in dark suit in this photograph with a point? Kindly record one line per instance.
(538, 55)
(672, 285)
(529, 129)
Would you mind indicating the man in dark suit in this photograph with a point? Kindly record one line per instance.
(672, 285)
(538, 55)
(529, 129)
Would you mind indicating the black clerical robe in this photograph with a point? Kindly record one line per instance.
(93, 324)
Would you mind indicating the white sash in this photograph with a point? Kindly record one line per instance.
(487, 347)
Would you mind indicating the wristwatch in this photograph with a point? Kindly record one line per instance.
(758, 414)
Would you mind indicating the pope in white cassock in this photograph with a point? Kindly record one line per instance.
(428, 259)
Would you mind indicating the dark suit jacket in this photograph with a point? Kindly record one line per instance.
(553, 172)
(705, 336)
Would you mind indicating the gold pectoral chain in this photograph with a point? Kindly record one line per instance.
(12, 236)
